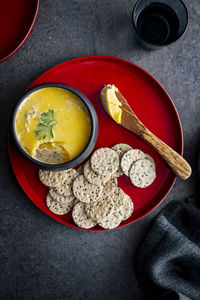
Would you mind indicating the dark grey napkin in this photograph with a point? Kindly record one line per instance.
(167, 264)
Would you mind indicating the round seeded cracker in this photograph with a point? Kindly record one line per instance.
(111, 222)
(60, 198)
(81, 218)
(71, 174)
(120, 149)
(147, 156)
(104, 161)
(57, 207)
(142, 173)
(129, 158)
(57, 178)
(52, 178)
(64, 190)
(110, 186)
(127, 210)
(118, 198)
(100, 209)
(93, 177)
(85, 191)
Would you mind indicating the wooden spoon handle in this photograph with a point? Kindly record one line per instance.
(177, 163)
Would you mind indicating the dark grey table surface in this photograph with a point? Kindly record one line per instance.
(41, 258)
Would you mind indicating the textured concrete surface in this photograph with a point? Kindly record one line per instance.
(40, 258)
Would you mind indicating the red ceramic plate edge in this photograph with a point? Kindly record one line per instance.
(26, 36)
(102, 57)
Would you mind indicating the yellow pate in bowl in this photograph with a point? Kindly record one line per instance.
(53, 125)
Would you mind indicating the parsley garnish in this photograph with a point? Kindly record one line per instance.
(44, 128)
(47, 117)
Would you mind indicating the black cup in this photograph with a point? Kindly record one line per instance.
(159, 23)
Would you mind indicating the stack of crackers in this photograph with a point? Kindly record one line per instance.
(92, 191)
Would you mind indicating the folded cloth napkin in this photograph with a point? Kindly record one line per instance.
(167, 264)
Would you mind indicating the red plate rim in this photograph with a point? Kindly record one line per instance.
(26, 36)
(102, 57)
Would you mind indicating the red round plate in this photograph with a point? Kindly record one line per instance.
(17, 18)
(148, 100)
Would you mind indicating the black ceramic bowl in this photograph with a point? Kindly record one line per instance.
(93, 136)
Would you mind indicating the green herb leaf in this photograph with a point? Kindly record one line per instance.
(44, 128)
(44, 132)
(47, 117)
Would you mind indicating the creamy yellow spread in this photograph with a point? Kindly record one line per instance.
(53, 125)
(112, 103)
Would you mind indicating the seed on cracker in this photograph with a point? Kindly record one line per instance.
(60, 197)
(129, 158)
(120, 149)
(80, 216)
(110, 186)
(100, 209)
(127, 209)
(71, 174)
(111, 222)
(104, 161)
(65, 189)
(147, 156)
(51, 178)
(142, 173)
(93, 177)
(118, 198)
(56, 178)
(85, 191)
(58, 208)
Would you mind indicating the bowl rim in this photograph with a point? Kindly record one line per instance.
(153, 44)
(93, 135)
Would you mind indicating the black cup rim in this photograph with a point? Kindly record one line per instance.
(156, 45)
(94, 127)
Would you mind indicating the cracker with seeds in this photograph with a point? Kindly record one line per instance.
(127, 209)
(147, 156)
(110, 186)
(57, 178)
(60, 197)
(65, 190)
(92, 176)
(100, 209)
(85, 191)
(111, 222)
(58, 208)
(104, 161)
(142, 173)
(129, 158)
(71, 174)
(51, 178)
(120, 149)
(80, 216)
(118, 198)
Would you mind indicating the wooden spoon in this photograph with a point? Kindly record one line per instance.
(131, 122)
